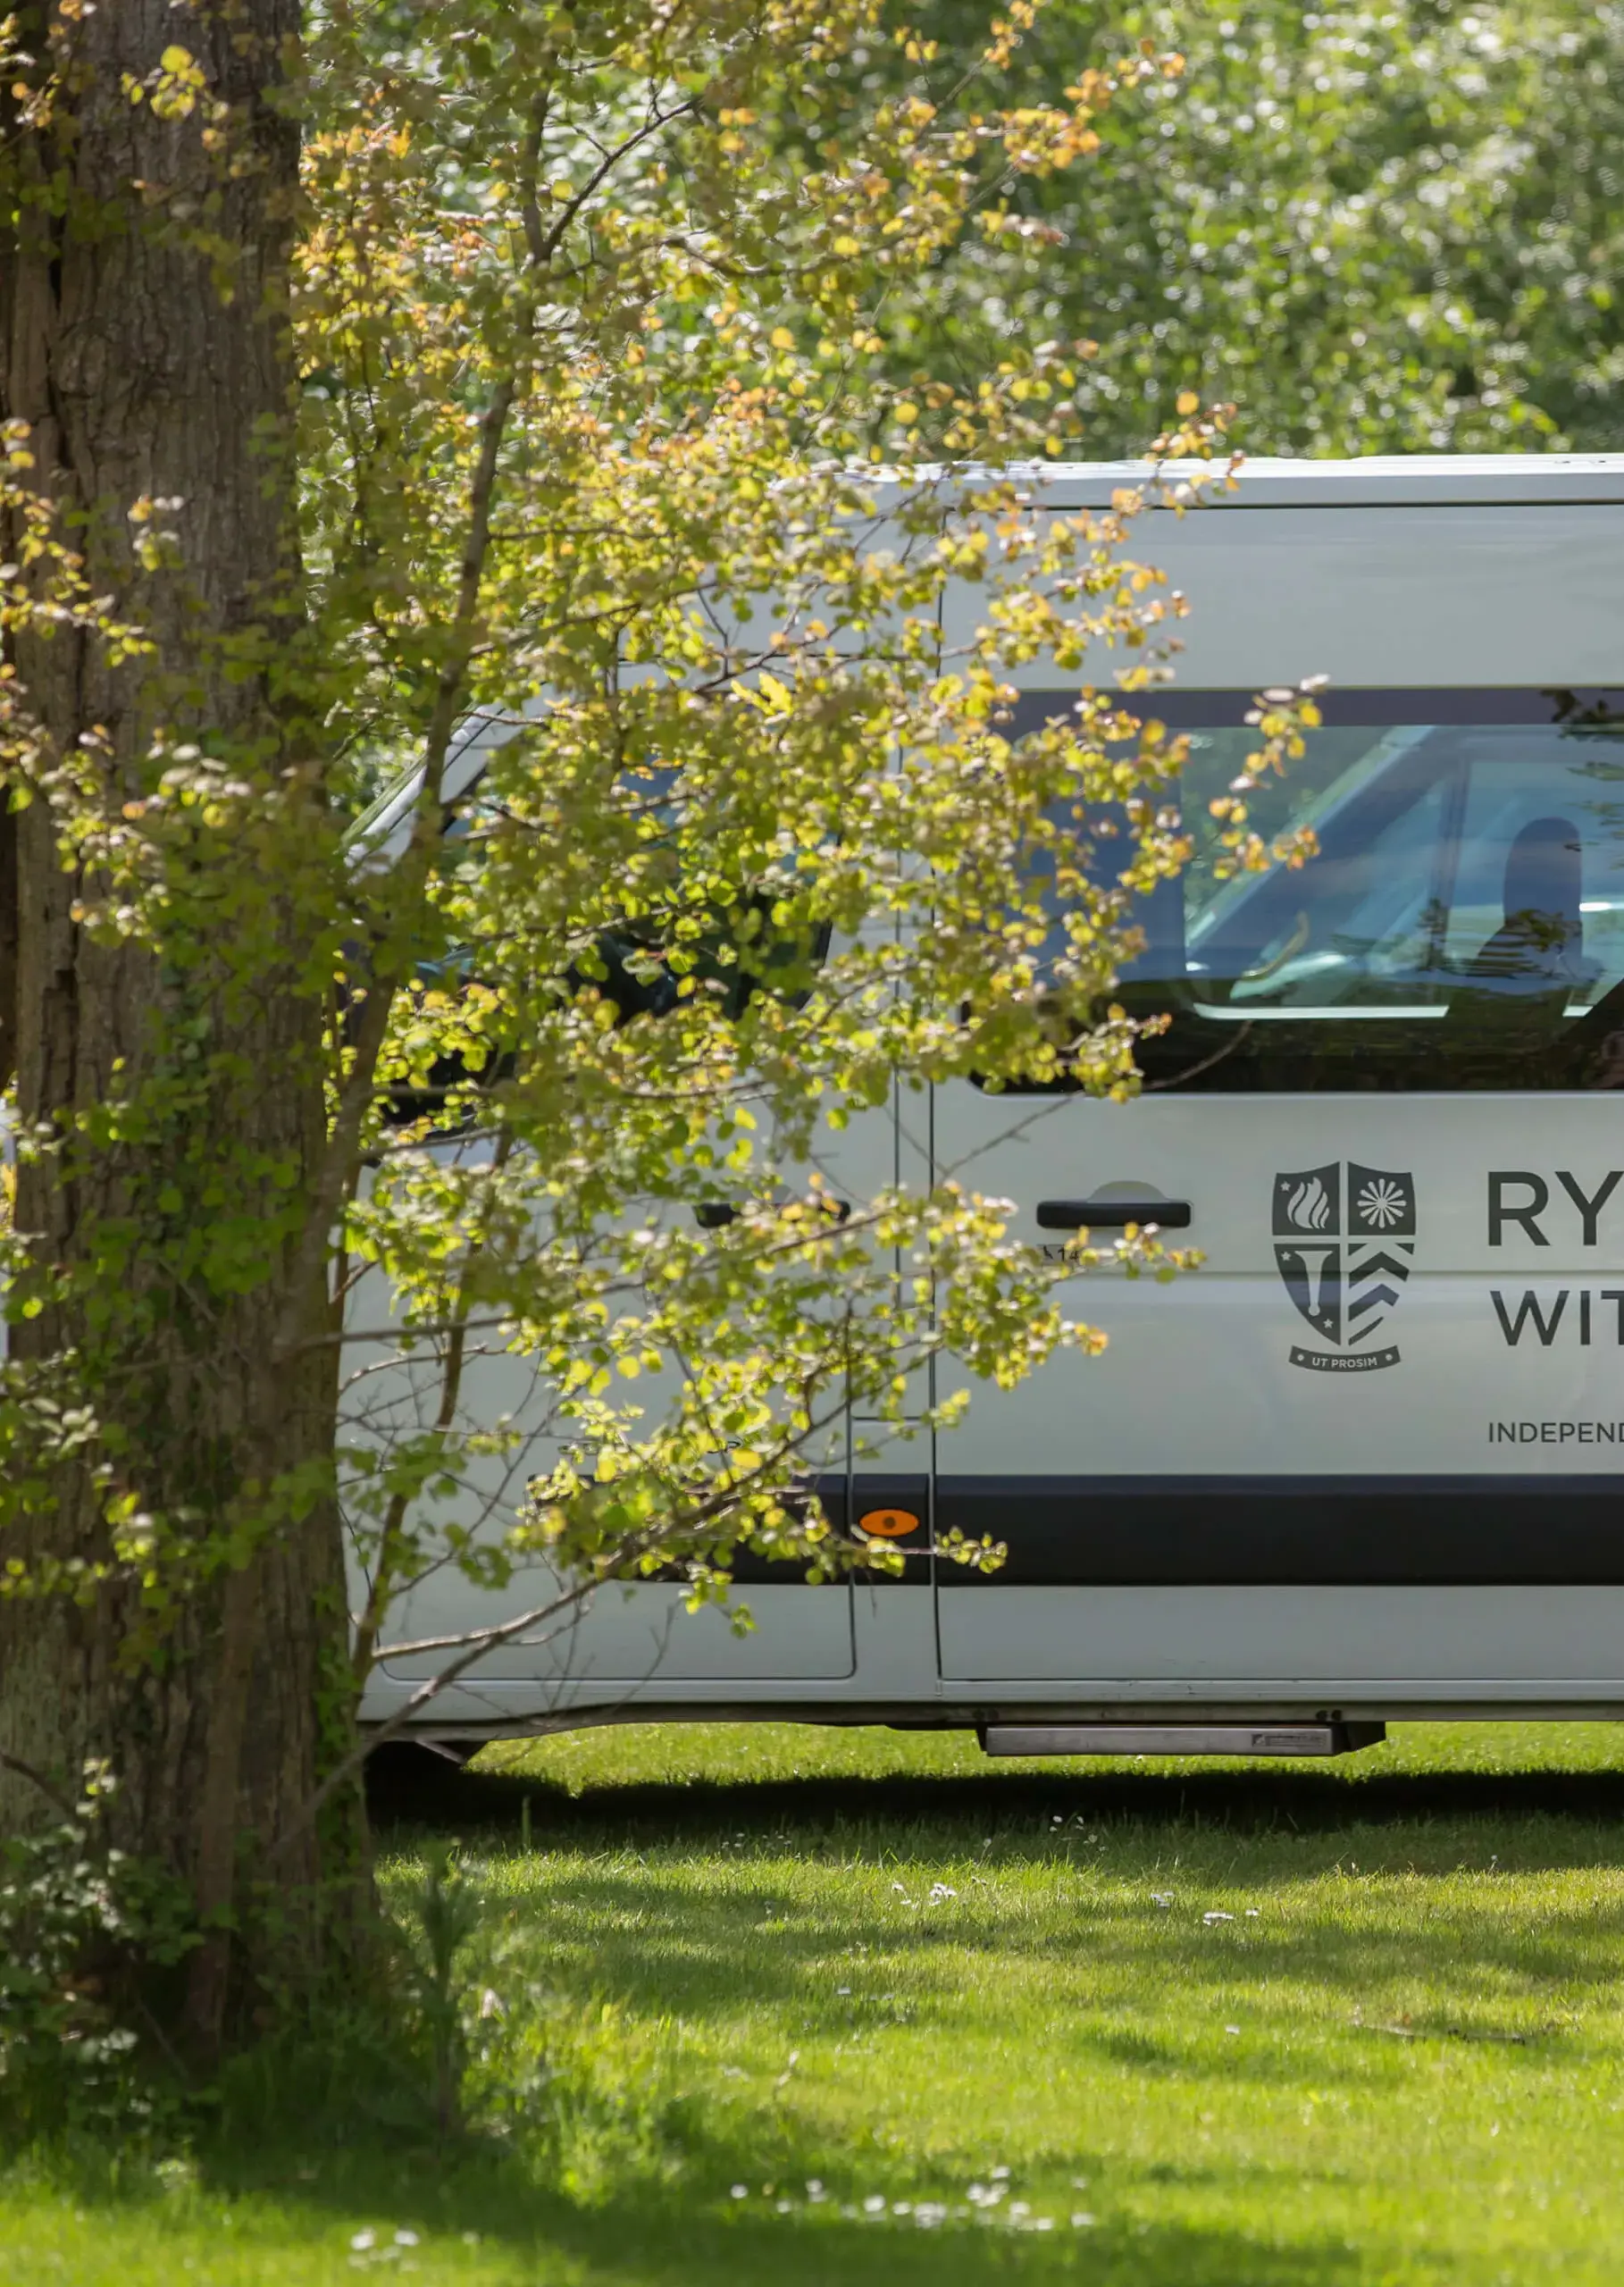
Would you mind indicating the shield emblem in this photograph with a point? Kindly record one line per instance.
(1344, 1242)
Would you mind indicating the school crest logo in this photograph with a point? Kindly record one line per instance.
(1344, 1243)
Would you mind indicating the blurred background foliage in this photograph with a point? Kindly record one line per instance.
(1387, 231)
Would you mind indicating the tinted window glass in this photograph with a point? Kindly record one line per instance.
(1461, 926)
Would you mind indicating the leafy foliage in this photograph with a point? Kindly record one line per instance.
(76, 1918)
(622, 798)
(1389, 230)
(749, 846)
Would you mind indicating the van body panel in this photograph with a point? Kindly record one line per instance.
(1205, 1378)
(1342, 1647)
(1467, 1156)
(623, 1639)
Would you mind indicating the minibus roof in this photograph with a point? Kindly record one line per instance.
(1383, 481)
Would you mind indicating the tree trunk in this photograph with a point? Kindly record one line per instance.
(151, 364)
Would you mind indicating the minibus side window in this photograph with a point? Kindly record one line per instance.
(1461, 925)
(638, 983)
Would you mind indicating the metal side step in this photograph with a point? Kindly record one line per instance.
(1180, 1739)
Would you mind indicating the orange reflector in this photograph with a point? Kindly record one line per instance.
(888, 1524)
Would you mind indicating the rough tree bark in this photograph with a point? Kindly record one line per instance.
(140, 376)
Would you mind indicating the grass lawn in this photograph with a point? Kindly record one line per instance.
(801, 2006)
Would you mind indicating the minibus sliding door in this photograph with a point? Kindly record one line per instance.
(1374, 1445)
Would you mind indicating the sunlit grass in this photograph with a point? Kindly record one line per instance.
(804, 1992)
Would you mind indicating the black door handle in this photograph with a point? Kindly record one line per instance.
(1112, 1214)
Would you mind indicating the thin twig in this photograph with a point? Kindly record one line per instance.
(37, 1779)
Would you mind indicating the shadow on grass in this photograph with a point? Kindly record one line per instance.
(863, 1968)
(677, 2226)
(672, 1932)
(410, 1787)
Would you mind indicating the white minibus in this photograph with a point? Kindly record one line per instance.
(1368, 1460)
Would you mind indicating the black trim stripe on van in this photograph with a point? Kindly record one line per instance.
(1288, 1531)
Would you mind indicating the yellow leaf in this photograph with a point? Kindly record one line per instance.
(175, 61)
(1187, 401)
